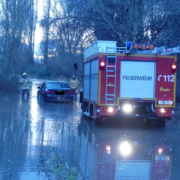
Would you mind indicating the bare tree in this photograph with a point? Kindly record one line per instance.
(136, 20)
(18, 22)
(45, 24)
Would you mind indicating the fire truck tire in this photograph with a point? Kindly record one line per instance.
(148, 123)
(160, 123)
(81, 97)
(83, 106)
(97, 122)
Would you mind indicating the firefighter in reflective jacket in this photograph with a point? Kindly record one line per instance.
(74, 85)
(26, 84)
(62, 79)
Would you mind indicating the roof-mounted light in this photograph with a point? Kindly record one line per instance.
(136, 46)
(143, 46)
(151, 46)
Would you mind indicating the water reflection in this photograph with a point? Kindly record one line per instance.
(125, 148)
(31, 130)
(13, 136)
(120, 155)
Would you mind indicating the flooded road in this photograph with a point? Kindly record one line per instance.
(45, 140)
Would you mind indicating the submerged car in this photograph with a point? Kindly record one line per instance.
(55, 91)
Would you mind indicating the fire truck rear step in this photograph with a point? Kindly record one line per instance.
(110, 71)
(86, 113)
(111, 57)
(112, 66)
(110, 75)
(110, 99)
(111, 85)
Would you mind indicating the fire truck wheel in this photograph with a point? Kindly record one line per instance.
(162, 123)
(97, 122)
(81, 97)
(84, 106)
(148, 123)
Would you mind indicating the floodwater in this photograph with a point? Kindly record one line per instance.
(34, 135)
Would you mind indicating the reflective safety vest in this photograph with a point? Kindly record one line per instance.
(26, 83)
(74, 83)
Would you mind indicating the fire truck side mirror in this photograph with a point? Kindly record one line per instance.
(75, 66)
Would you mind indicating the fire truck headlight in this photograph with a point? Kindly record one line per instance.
(128, 108)
(125, 148)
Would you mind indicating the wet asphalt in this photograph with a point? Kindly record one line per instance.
(32, 133)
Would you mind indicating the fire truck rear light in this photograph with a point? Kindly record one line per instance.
(108, 148)
(110, 109)
(162, 110)
(102, 64)
(160, 150)
(165, 102)
(173, 66)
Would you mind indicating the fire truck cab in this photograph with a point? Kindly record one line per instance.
(120, 84)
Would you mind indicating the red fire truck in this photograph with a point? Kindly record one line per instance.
(122, 82)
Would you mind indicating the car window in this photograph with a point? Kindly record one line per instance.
(57, 85)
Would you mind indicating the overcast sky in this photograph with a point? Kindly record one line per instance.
(38, 33)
